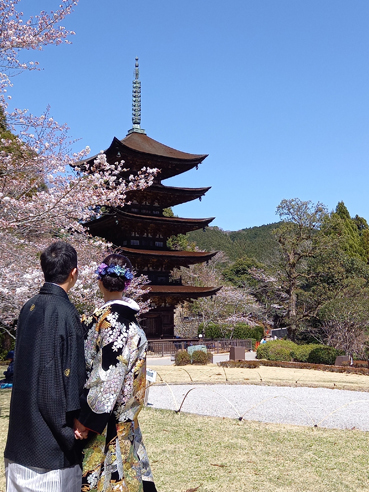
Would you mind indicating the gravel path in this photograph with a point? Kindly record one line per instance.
(338, 409)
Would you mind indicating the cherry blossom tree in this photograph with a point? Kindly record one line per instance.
(231, 305)
(18, 34)
(345, 325)
(45, 194)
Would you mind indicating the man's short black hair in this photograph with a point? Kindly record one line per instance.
(57, 261)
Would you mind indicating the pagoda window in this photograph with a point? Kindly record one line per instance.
(135, 242)
(156, 212)
(159, 244)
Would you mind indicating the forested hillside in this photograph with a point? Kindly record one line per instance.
(308, 273)
(254, 242)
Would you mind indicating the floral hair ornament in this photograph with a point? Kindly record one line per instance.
(116, 270)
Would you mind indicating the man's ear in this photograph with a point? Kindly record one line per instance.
(74, 274)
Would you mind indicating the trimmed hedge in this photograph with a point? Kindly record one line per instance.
(324, 355)
(285, 350)
(182, 358)
(200, 357)
(244, 364)
(301, 352)
(357, 363)
(299, 365)
(241, 331)
(276, 350)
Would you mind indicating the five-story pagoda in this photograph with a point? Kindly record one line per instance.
(141, 230)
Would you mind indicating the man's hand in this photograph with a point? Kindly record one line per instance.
(80, 431)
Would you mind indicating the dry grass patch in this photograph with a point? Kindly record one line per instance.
(213, 454)
(278, 376)
(4, 420)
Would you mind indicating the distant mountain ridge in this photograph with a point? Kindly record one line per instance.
(255, 242)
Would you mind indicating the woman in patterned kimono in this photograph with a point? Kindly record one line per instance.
(115, 458)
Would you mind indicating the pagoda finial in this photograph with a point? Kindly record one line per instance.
(136, 102)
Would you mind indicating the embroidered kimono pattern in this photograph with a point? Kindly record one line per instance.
(115, 458)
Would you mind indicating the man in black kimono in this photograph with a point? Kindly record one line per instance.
(41, 452)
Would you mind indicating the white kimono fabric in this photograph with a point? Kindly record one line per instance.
(23, 479)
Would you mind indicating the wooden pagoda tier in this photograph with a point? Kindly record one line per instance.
(128, 229)
(179, 293)
(167, 196)
(159, 321)
(137, 150)
(164, 260)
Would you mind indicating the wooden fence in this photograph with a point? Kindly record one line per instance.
(170, 347)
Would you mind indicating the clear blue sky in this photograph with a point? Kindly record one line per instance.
(275, 91)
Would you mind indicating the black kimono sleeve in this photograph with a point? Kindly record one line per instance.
(61, 380)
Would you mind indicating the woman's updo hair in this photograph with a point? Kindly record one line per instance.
(118, 280)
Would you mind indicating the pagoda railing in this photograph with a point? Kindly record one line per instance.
(170, 347)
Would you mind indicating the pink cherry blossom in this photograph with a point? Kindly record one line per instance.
(44, 194)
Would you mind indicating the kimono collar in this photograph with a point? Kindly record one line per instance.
(125, 301)
(50, 288)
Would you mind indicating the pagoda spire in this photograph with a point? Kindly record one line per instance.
(136, 102)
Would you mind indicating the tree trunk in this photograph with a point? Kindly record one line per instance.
(291, 314)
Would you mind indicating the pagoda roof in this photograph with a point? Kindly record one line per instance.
(139, 142)
(177, 293)
(107, 224)
(138, 150)
(144, 257)
(167, 196)
(204, 255)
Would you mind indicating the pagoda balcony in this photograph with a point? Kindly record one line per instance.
(161, 278)
(166, 295)
(163, 196)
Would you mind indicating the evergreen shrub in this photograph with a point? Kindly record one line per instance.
(301, 352)
(200, 357)
(280, 353)
(182, 358)
(324, 355)
(241, 331)
(212, 330)
(276, 350)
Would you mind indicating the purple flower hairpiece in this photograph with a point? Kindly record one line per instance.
(115, 270)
